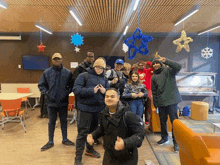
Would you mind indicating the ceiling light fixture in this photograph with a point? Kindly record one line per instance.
(189, 13)
(74, 16)
(10, 37)
(3, 5)
(126, 29)
(43, 28)
(135, 5)
(210, 29)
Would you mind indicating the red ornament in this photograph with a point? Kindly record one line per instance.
(41, 47)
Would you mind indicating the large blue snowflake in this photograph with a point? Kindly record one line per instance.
(130, 42)
(77, 39)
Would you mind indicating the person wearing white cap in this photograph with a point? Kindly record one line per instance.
(56, 84)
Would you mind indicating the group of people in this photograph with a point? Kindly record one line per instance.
(110, 104)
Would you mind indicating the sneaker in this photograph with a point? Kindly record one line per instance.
(68, 143)
(147, 123)
(162, 142)
(92, 153)
(78, 161)
(96, 142)
(176, 147)
(47, 146)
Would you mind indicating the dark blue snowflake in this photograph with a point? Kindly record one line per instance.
(77, 39)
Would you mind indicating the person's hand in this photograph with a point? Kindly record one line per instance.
(96, 88)
(90, 139)
(134, 95)
(119, 144)
(102, 89)
(140, 94)
(135, 66)
(162, 59)
(115, 80)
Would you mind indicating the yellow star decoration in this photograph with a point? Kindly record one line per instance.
(185, 45)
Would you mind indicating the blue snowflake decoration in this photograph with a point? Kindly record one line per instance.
(130, 42)
(77, 39)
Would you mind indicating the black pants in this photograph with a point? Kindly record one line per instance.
(43, 107)
(87, 123)
(52, 114)
(170, 110)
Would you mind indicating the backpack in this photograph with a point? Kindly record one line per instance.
(186, 111)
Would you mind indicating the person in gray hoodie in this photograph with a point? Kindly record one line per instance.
(166, 95)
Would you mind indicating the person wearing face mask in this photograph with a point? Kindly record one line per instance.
(166, 95)
(90, 101)
(122, 131)
(135, 91)
(56, 84)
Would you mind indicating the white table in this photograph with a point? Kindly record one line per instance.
(216, 125)
(13, 96)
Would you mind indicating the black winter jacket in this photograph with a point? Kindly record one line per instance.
(56, 83)
(163, 85)
(87, 100)
(130, 128)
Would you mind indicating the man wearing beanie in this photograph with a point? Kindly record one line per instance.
(165, 95)
(89, 88)
(56, 84)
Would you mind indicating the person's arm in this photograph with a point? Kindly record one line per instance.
(43, 85)
(174, 66)
(79, 87)
(136, 128)
(154, 92)
(70, 82)
(127, 93)
(149, 64)
(144, 91)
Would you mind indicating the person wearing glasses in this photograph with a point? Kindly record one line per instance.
(87, 63)
(56, 84)
(89, 88)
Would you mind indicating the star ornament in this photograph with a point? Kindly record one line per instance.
(77, 39)
(77, 49)
(206, 52)
(185, 45)
(124, 47)
(130, 42)
(41, 47)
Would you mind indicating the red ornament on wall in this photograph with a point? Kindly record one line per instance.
(41, 47)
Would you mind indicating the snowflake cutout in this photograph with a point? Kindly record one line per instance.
(206, 52)
(124, 47)
(77, 49)
(77, 39)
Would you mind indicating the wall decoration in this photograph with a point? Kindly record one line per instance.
(77, 49)
(207, 52)
(77, 39)
(41, 47)
(124, 47)
(185, 45)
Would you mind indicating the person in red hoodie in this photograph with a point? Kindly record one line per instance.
(145, 75)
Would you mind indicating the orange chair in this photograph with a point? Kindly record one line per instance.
(11, 111)
(196, 148)
(71, 108)
(25, 99)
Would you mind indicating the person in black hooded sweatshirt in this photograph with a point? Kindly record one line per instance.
(165, 94)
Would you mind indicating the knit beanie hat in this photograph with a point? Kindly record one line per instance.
(157, 61)
(100, 62)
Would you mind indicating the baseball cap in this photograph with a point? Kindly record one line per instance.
(56, 55)
(119, 61)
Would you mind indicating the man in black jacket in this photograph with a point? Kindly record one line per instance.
(56, 83)
(84, 65)
(165, 94)
(122, 131)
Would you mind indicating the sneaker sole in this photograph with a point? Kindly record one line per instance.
(163, 143)
(175, 151)
(89, 154)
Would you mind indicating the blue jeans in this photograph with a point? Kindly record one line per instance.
(52, 114)
(137, 107)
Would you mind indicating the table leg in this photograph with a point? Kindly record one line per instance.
(36, 102)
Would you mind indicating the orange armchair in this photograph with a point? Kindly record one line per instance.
(196, 148)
